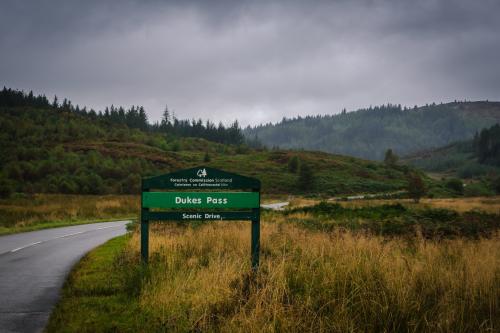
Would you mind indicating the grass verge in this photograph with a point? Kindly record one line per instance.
(199, 279)
(96, 298)
(58, 224)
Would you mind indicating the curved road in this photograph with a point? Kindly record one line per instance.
(34, 266)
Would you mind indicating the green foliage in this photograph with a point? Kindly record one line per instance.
(368, 132)
(176, 146)
(5, 187)
(293, 164)
(390, 158)
(477, 189)
(472, 159)
(416, 186)
(472, 169)
(455, 185)
(306, 177)
(242, 149)
(487, 145)
(102, 282)
(206, 158)
(47, 150)
(496, 185)
(131, 184)
(398, 220)
(134, 117)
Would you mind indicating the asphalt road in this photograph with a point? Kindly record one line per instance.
(276, 206)
(34, 266)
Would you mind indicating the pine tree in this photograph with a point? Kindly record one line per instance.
(306, 177)
(165, 121)
(390, 159)
(143, 119)
(293, 164)
(55, 102)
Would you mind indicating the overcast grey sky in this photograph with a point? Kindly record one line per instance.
(255, 61)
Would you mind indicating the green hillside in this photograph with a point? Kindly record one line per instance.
(456, 159)
(476, 160)
(47, 149)
(368, 133)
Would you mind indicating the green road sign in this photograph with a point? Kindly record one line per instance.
(200, 199)
(202, 194)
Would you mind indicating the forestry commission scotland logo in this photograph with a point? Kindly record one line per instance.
(202, 173)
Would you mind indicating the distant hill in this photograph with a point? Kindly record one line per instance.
(475, 158)
(62, 149)
(368, 133)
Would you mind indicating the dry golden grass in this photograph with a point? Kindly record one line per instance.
(485, 204)
(52, 209)
(308, 281)
(302, 202)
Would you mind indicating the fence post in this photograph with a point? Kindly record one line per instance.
(256, 236)
(255, 243)
(144, 231)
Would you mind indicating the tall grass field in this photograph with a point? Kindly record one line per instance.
(199, 279)
(39, 211)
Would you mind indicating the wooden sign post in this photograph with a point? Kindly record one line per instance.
(200, 193)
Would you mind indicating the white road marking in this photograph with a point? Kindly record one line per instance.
(113, 226)
(23, 247)
(63, 236)
(76, 233)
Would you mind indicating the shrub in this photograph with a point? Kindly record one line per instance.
(416, 187)
(455, 185)
(95, 184)
(293, 164)
(390, 158)
(132, 184)
(472, 170)
(6, 188)
(68, 186)
(477, 190)
(396, 220)
(496, 185)
(306, 177)
(242, 149)
(176, 146)
(206, 158)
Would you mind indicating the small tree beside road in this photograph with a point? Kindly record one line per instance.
(416, 186)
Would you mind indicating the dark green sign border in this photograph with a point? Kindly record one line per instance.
(201, 179)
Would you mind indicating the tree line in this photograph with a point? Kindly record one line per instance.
(487, 145)
(369, 132)
(57, 147)
(132, 117)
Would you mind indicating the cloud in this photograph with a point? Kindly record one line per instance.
(254, 61)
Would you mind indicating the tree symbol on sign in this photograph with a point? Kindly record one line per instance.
(202, 173)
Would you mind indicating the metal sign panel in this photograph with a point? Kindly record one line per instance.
(202, 216)
(200, 178)
(200, 199)
(202, 188)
